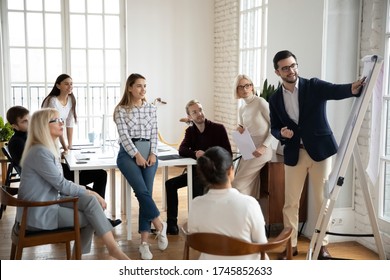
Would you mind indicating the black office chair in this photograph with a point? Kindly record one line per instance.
(12, 176)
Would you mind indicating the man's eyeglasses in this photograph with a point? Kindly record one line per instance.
(57, 120)
(246, 86)
(293, 66)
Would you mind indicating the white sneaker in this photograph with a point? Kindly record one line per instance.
(162, 237)
(144, 251)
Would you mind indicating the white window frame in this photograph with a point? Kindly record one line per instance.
(383, 189)
(254, 48)
(109, 92)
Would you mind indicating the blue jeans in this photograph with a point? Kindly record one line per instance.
(141, 181)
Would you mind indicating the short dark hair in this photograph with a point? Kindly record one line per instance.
(282, 55)
(16, 112)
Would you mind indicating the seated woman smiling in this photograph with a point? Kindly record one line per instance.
(42, 179)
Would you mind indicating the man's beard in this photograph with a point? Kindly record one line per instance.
(197, 121)
(290, 80)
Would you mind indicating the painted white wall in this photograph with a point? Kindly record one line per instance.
(323, 34)
(296, 26)
(341, 65)
(171, 43)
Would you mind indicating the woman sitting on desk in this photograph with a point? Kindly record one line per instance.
(42, 179)
(136, 121)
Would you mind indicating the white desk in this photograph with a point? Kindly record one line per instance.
(97, 158)
(94, 158)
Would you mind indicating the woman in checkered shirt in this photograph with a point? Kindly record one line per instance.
(136, 122)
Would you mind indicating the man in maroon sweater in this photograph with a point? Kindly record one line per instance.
(200, 136)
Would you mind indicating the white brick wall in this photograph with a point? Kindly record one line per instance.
(226, 62)
(371, 43)
(227, 65)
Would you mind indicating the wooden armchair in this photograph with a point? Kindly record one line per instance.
(222, 245)
(21, 237)
(12, 176)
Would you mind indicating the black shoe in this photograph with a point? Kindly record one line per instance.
(116, 222)
(324, 254)
(172, 229)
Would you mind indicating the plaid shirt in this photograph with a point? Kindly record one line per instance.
(138, 122)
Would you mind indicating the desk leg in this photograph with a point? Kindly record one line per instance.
(77, 177)
(123, 195)
(189, 182)
(128, 209)
(163, 193)
(113, 193)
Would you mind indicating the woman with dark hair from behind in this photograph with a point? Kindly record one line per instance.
(224, 210)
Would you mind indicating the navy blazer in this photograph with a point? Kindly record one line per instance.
(313, 127)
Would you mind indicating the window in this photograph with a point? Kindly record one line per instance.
(253, 40)
(385, 159)
(83, 38)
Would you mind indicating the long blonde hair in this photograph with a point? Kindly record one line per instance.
(39, 132)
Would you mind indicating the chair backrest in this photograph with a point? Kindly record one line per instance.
(222, 245)
(236, 160)
(12, 166)
(10, 176)
(22, 238)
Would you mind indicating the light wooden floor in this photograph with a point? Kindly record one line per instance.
(348, 250)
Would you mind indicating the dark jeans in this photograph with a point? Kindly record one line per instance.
(97, 177)
(141, 181)
(171, 187)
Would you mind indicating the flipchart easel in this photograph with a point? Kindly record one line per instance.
(348, 146)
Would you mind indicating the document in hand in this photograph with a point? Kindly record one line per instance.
(244, 143)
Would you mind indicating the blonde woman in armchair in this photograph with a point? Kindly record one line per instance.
(42, 179)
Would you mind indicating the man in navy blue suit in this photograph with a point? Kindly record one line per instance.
(299, 122)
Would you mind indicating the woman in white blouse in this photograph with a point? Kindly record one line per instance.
(136, 122)
(61, 98)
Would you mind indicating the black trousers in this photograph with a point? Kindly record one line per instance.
(172, 185)
(97, 177)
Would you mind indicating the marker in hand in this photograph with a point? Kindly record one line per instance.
(358, 85)
(240, 128)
